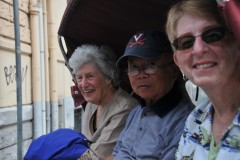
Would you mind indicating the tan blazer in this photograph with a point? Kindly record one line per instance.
(112, 122)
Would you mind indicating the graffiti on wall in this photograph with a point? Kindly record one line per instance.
(10, 74)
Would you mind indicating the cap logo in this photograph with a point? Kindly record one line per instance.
(138, 40)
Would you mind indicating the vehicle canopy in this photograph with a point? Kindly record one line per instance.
(113, 22)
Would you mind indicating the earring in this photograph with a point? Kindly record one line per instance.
(185, 78)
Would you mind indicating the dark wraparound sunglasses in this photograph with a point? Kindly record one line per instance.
(208, 36)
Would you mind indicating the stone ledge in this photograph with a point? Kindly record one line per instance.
(23, 4)
(8, 135)
(10, 153)
(9, 44)
(7, 30)
(9, 115)
(6, 12)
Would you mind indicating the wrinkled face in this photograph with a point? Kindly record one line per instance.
(92, 83)
(151, 86)
(210, 60)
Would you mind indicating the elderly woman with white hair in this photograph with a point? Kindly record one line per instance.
(108, 105)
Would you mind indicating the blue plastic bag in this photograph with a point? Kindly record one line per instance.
(62, 144)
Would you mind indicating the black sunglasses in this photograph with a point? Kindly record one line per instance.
(208, 36)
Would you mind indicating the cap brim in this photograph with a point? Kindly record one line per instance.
(145, 54)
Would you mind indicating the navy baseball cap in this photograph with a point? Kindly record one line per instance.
(148, 45)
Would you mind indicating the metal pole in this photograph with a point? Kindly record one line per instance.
(18, 80)
(43, 96)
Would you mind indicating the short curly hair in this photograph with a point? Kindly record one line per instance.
(102, 56)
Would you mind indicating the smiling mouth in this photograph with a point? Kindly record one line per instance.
(87, 91)
(207, 65)
(143, 86)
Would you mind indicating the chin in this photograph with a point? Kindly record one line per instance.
(146, 98)
(88, 99)
(204, 82)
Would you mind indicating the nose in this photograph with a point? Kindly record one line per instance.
(142, 73)
(83, 82)
(199, 47)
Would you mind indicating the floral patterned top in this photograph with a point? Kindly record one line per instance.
(195, 141)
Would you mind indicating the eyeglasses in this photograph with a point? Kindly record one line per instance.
(148, 69)
(208, 36)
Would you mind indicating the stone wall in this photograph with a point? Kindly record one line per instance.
(8, 88)
(8, 102)
(7, 53)
(8, 131)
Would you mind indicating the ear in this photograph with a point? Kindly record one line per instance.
(175, 59)
(177, 62)
(175, 71)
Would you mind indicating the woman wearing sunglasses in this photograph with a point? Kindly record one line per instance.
(208, 54)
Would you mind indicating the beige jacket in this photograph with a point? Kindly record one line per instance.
(113, 120)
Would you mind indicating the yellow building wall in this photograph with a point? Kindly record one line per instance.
(58, 96)
(7, 54)
(64, 76)
(8, 77)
